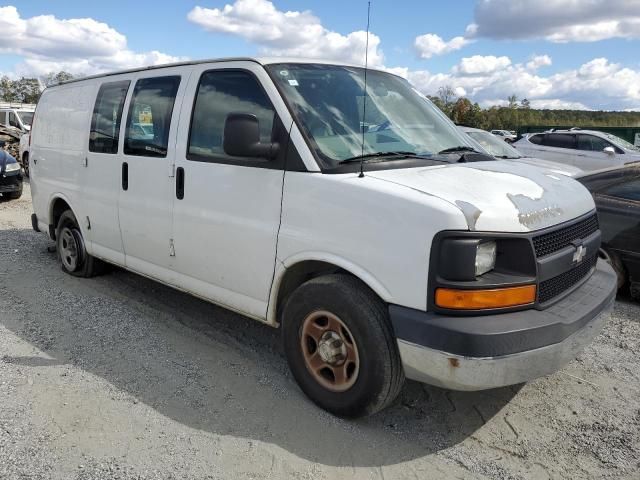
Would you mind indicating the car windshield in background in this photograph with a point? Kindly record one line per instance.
(328, 103)
(494, 145)
(621, 143)
(26, 117)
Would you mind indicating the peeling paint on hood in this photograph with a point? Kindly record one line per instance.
(499, 196)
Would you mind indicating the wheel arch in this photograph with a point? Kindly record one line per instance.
(57, 206)
(294, 271)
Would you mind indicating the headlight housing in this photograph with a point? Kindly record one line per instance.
(485, 257)
(12, 167)
(481, 271)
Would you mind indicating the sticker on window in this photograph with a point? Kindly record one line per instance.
(293, 83)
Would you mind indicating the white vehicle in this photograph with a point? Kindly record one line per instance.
(374, 241)
(17, 115)
(505, 135)
(23, 153)
(585, 149)
(492, 145)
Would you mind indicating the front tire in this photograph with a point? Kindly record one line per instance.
(340, 346)
(70, 247)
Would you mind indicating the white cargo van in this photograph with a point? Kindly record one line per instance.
(360, 222)
(17, 115)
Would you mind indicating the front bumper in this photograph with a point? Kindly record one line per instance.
(11, 182)
(482, 352)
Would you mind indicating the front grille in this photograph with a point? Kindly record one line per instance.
(551, 242)
(555, 286)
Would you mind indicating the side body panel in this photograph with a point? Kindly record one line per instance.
(379, 231)
(58, 148)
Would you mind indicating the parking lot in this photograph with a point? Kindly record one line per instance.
(120, 377)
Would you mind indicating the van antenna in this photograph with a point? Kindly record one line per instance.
(364, 100)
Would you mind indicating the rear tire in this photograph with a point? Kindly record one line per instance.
(25, 164)
(340, 346)
(71, 250)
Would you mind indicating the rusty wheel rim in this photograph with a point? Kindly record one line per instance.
(330, 351)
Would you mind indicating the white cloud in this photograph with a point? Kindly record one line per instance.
(429, 45)
(479, 64)
(598, 85)
(538, 61)
(77, 45)
(289, 33)
(558, 21)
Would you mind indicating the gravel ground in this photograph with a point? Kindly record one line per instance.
(118, 377)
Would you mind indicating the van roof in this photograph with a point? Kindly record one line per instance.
(259, 60)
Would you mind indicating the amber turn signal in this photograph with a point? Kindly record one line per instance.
(483, 299)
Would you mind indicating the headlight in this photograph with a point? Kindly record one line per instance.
(12, 167)
(485, 257)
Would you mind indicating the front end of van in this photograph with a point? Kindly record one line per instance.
(506, 308)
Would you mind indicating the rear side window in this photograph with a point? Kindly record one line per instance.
(537, 139)
(560, 140)
(221, 92)
(107, 114)
(629, 190)
(149, 118)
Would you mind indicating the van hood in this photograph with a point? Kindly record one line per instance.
(499, 196)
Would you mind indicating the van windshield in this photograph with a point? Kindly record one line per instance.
(26, 117)
(328, 102)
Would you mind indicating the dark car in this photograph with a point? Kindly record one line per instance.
(10, 175)
(616, 192)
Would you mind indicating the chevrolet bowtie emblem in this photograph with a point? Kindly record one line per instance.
(579, 254)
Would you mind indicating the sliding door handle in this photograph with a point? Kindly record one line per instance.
(125, 176)
(180, 183)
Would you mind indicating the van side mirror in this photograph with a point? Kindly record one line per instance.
(609, 150)
(241, 137)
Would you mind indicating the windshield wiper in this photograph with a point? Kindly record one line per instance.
(461, 148)
(507, 157)
(367, 156)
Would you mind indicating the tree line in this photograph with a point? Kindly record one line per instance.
(28, 90)
(517, 113)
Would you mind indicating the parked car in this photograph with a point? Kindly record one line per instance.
(17, 115)
(10, 175)
(616, 192)
(395, 256)
(24, 153)
(492, 145)
(585, 149)
(505, 135)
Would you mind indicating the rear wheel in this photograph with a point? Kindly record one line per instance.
(70, 246)
(25, 164)
(340, 346)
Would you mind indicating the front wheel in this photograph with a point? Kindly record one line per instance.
(340, 346)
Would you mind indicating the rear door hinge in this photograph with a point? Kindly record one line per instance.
(172, 250)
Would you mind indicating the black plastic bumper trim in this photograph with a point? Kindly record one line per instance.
(508, 333)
